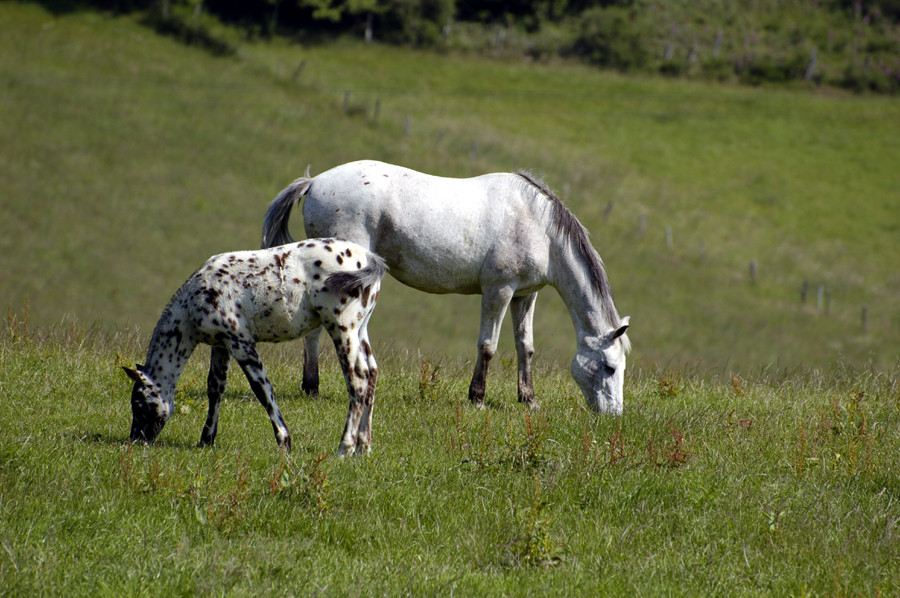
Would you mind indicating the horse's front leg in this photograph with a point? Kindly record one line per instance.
(494, 302)
(310, 384)
(215, 388)
(244, 352)
(522, 310)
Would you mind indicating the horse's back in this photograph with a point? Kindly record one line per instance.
(436, 233)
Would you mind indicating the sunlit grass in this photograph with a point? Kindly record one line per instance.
(777, 484)
(130, 159)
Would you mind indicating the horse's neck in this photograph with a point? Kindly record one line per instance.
(170, 347)
(587, 306)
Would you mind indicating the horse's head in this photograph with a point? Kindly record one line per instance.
(150, 407)
(599, 369)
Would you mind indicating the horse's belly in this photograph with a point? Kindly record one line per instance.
(441, 278)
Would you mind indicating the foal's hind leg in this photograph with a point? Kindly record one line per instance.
(522, 310)
(244, 352)
(494, 302)
(215, 387)
(356, 374)
(364, 438)
(310, 384)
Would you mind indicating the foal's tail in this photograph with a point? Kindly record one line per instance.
(275, 228)
(348, 282)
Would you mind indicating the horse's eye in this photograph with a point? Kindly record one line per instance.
(608, 369)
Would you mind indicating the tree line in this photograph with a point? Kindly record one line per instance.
(845, 43)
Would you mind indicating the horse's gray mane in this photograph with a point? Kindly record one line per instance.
(567, 225)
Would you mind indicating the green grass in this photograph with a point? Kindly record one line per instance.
(129, 159)
(784, 485)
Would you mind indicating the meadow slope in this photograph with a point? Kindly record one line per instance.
(128, 159)
(757, 452)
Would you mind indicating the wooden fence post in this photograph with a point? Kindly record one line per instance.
(608, 210)
(298, 70)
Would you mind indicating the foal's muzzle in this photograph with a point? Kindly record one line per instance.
(145, 431)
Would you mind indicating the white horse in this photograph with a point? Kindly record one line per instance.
(502, 235)
(237, 299)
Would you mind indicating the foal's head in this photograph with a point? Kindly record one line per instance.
(599, 369)
(149, 406)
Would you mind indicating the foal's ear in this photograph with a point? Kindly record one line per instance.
(134, 374)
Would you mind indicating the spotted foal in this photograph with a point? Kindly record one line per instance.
(238, 299)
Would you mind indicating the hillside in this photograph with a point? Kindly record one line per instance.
(128, 159)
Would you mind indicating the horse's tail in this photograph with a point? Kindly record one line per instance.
(353, 281)
(275, 228)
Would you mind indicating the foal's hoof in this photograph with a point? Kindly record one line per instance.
(533, 405)
(286, 444)
(478, 403)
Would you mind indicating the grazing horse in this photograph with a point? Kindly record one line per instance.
(501, 235)
(238, 299)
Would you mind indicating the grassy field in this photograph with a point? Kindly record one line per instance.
(782, 487)
(127, 159)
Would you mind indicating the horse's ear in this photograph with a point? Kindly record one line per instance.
(621, 329)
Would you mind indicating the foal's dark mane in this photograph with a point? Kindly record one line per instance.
(566, 225)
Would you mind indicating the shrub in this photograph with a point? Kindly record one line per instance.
(611, 37)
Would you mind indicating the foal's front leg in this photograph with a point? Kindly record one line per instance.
(244, 352)
(215, 387)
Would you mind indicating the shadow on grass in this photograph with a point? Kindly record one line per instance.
(123, 441)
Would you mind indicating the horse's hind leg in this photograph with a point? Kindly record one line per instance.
(522, 310)
(215, 387)
(494, 302)
(310, 384)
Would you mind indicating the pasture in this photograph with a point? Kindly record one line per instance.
(783, 487)
(758, 449)
(129, 158)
